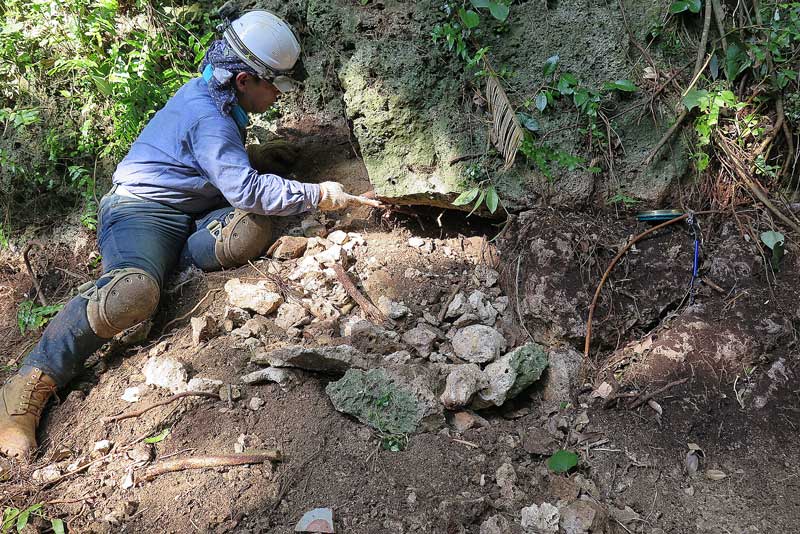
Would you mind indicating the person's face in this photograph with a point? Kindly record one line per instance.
(254, 94)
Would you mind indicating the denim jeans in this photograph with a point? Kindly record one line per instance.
(135, 233)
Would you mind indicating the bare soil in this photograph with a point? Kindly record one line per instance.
(737, 405)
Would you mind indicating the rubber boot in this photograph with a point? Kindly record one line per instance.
(22, 400)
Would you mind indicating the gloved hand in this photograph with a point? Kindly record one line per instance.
(333, 197)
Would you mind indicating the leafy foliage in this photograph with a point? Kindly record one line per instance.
(774, 241)
(32, 317)
(111, 65)
(562, 461)
(18, 519)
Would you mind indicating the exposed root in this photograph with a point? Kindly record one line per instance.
(207, 462)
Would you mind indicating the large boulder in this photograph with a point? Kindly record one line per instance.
(405, 98)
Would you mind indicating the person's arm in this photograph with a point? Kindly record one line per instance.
(219, 151)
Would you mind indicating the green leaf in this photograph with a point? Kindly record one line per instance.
(22, 518)
(477, 203)
(713, 67)
(102, 85)
(160, 437)
(469, 18)
(562, 461)
(621, 85)
(541, 101)
(682, 5)
(565, 84)
(771, 238)
(528, 122)
(498, 11)
(58, 526)
(492, 200)
(550, 65)
(736, 60)
(695, 98)
(678, 7)
(480, 3)
(466, 197)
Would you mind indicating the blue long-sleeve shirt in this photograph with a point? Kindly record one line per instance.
(191, 156)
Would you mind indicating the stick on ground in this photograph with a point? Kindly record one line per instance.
(369, 308)
(206, 462)
(641, 400)
(137, 413)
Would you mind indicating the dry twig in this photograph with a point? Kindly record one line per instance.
(137, 413)
(643, 399)
(185, 315)
(374, 314)
(39, 294)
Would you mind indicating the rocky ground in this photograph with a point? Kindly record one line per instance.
(417, 377)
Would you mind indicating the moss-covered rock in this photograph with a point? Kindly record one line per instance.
(421, 121)
(376, 399)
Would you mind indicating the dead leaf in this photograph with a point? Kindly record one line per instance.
(603, 391)
(507, 133)
(715, 474)
(655, 406)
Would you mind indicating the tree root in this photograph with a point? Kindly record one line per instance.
(39, 295)
(374, 314)
(207, 462)
(643, 399)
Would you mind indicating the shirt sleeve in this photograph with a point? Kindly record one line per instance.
(219, 151)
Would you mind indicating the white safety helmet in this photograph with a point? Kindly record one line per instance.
(267, 44)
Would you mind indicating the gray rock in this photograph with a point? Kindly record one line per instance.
(313, 228)
(165, 372)
(582, 517)
(392, 309)
(497, 524)
(261, 298)
(369, 337)
(330, 359)
(542, 519)
(484, 310)
(399, 357)
(562, 375)
(283, 377)
(421, 337)
(485, 276)
(203, 328)
(478, 343)
(462, 383)
(457, 307)
(511, 374)
(256, 403)
(206, 385)
(233, 317)
(257, 326)
(292, 314)
(466, 320)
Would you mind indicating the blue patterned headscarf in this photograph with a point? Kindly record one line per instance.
(224, 64)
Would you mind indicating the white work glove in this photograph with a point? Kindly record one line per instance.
(333, 197)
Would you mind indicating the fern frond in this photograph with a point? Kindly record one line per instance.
(507, 133)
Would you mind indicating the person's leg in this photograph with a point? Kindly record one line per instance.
(226, 238)
(139, 241)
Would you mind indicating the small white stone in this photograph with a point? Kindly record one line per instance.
(416, 242)
(205, 385)
(339, 237)
(132, 394)
(256, 403)
(102, 446)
